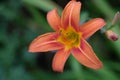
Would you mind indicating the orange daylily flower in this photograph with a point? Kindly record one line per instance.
(69, 37)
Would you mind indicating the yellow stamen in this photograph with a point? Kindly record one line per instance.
(69, 37)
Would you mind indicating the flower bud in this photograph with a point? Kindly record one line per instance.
(111, 35)
(116, 18)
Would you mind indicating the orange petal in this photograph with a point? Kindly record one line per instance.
(45, 42)
(71, 14)
(59, 60)
(90, 27)
(54, 19)
(86, 56)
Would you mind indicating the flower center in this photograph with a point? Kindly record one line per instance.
(69, 37)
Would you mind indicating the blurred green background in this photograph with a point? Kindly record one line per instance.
(23, 20)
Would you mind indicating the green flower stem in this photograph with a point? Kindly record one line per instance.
(109, 12)
(76, 68)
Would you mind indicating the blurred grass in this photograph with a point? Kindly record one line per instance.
(23, 20)
(42, 4)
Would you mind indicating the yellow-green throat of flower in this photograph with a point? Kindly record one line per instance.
(69, 37)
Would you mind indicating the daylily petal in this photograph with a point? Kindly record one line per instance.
(86, 56)
(59, 60)
(70, 15)
(45, 42)
(54, 19)
(90, 27)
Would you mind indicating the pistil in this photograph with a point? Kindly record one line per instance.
(69, 37)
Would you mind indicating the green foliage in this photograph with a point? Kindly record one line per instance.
(23, 20)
